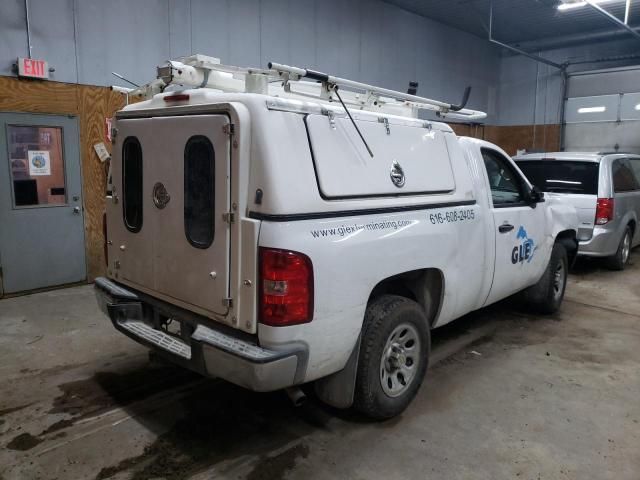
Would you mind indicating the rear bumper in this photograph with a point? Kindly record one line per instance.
(603, 243)
(209, 351)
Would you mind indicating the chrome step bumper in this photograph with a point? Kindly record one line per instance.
(208, 351)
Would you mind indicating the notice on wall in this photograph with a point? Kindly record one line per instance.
(101, 150)
(39, 162)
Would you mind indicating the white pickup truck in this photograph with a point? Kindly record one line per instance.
(274, 241)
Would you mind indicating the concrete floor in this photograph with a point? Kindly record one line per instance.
(512, 396)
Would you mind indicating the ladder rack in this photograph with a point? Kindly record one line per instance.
(200, 71)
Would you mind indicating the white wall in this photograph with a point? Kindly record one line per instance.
(367, 40)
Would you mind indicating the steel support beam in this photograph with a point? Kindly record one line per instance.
(517, 50)
(612, 18)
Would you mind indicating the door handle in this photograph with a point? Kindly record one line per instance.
(76, 210)
(506, 227)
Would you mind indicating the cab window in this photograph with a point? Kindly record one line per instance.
(199, 191)
(623, 178)
(132, 184)
(505, 183)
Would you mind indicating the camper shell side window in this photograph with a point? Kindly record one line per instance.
(132, 184)
(199, 191)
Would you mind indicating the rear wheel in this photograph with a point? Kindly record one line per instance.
(621, 258)
(393, 356)
(546, 295)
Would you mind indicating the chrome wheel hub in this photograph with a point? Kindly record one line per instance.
(400, 359)
(626, 248)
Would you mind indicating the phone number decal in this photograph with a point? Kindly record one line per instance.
(452, 216)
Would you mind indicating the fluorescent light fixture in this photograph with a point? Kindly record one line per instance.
(638, 107)
(592, 109)
(572, 5)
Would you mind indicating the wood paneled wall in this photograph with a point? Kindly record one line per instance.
(91, 105)
(512, 138)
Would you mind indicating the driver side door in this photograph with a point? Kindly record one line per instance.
(521, 251)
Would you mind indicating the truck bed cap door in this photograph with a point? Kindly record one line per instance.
(185, 252)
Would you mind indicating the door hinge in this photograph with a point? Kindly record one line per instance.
(229, 217)
(227, 302)
(229, 129)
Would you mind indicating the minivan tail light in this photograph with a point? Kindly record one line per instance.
(286, 287)
(604, 211)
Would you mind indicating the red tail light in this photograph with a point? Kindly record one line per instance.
(604, 211)
(178, 97)
(286, 287)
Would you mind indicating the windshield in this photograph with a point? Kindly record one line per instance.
(562, 176)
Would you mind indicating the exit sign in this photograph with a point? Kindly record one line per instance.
(32, 68)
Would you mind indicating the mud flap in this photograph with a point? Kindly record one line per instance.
(338, 388)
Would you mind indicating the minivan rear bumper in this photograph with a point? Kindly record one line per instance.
(603, 243)
(208, 351)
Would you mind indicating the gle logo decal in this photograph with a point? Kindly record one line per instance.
(525, 250)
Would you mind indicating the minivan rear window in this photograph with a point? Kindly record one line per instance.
(132, 184)
(562, 176)
(199, 191)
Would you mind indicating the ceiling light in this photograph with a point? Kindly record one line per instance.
(592, 109)
(571, 5)
(638, 107)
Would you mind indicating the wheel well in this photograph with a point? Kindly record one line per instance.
(424, 286)
(632, 224)
(569, 241)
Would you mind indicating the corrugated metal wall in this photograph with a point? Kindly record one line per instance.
(366, 40)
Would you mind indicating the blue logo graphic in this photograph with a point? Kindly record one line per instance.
(525, 250)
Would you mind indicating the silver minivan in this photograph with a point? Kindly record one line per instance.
(604, 188)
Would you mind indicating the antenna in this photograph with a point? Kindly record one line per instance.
(116, 74)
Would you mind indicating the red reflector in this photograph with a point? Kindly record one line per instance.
(286, 287)
(180, 97)
(604, 211)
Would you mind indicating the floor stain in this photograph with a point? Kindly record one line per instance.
(220, 423)
(23, 442)
(9, 410)
(107, 389)
(268, 468)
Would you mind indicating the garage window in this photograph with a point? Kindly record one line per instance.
(199, 191)
(132, 184)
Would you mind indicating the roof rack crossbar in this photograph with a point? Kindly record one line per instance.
(442, 108)
(201, 71)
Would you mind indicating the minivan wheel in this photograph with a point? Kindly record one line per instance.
(621, 258)
(546, 296)
(393, 356)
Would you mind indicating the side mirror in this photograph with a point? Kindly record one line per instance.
(536, 195)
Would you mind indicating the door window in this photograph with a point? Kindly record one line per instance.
(36, 163)
(199, 191)
(623, 177)
(506, 185)
(132, 184)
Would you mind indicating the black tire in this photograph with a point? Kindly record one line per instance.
(387, 315)
(623, 254)
(546, 296)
